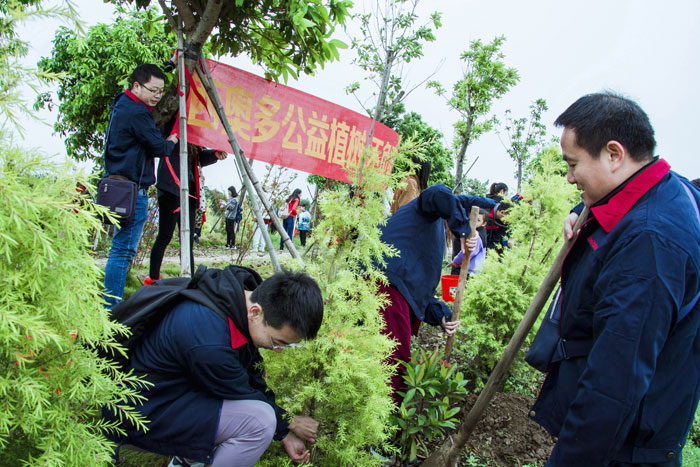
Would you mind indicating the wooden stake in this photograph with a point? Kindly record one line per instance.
(448, 454)
(463, 273)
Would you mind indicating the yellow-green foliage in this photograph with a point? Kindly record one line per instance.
(496, 299)
(340, 378)
(52, 385)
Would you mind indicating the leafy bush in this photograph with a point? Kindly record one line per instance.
(342, 378)
(53, 385)
(497, 298)
(426, 412)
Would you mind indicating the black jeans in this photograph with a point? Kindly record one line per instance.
(167, 220)
(231, 232)
(302, 237)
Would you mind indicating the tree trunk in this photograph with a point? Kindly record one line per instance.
(459, 188)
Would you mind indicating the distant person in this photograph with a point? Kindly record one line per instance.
(258, 238)
(496, 229)
(231, 214)
(168, 185)
(131, 142)
(304, 224)
(208, 402)
(292, 204)
(201, 212)
(417, 231)
(623, 379)
(415, 183)
(498, 191)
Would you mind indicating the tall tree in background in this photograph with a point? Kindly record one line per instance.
(486, 79)
(389, 38)
(411, 125)
(525, 135)
(286, 37)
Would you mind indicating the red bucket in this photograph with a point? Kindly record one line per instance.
(449, 287)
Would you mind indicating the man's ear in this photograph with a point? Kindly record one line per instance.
(254, 312)
(616, 153)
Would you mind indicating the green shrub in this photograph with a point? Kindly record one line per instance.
(427, 412)
(497, 297)
(53, 385)
(341, 378)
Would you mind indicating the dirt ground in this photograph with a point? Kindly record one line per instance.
(505, 436)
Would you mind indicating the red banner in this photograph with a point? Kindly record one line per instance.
(281, 125)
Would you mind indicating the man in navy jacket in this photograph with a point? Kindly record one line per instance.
(131, 143)
(209, 403)
(624, 381)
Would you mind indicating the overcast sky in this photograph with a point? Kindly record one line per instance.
(644, 49)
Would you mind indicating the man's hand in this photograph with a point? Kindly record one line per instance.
(221, 155)
(569, 225)
(172, 138)
(450, 327)
(305, 428)
(468, 244)
(295, 449)
(173, 59)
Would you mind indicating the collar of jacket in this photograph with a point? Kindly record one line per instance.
(133, 97)
(237, 337)
(611, 209)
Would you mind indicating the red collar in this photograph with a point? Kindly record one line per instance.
(619, 204)
(237, 338)
(133, 97)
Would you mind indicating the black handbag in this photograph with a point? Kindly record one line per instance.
(119, 195)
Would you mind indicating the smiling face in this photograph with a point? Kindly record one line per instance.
(590, 174)
(150, 92)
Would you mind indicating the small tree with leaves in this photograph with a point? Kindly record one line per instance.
(524, 136)
(498, 296)
(390, 37)
(341, 378)
(486, 78)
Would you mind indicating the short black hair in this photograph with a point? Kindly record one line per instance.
(143, 73)
(292, 298)
(502, 207)
(605, 116)
(696, 182)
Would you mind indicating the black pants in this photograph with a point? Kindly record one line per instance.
(302, 237)
(167, 220)
(231, 232)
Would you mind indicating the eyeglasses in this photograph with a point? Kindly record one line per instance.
(274, 346)
(154, 91)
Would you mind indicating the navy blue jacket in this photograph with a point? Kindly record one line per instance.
(196, 359)
(132, 141)
(418, 232)
(627, 283)
(165, 179)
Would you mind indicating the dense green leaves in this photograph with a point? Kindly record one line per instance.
(426, 412)
(497, 297)
(97, 67)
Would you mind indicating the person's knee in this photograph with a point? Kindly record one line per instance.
(268, 420)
